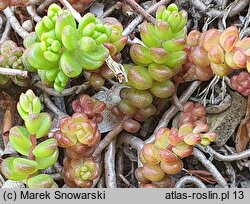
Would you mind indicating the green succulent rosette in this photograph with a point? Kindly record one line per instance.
(28, 103)
(62, 49)
(164, 41)
(80, 173)
(156, 62)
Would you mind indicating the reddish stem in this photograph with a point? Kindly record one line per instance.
(140, 10)
(33, 145)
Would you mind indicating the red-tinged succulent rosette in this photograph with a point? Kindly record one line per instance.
(241, 83)
(89, 106)
(77, 128)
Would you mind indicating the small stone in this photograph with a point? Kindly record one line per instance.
(97, 9)
(13, 184)
(225, 123)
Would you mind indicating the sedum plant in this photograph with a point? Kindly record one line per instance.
(78, 129)
(80, 173)
(155, 63)
(163, 157)
(241, 83)
(216, 53)
(164, 41)
(11, 57)
(61, 49)
(79, 135)
(193, 113)
(91, 107)
(35, 155)
(115, 45)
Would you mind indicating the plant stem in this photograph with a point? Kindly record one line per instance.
(107, 140)
(109, 165)
(13, 72)
(173, 109)
(76, 15)
(66, 92)
(210, 167)
(15, 23)
(141, 11)
(189, 179)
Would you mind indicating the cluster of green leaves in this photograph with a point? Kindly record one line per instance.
(60, 49)
(35, 156)
(164, 41)
(115, 44)
(157, 61)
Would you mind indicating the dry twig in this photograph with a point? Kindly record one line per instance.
(66, 92)
(44, 5)
(229, 158)
(52, 107)
(13, 72)
(76, 15)
(214, 13)
(116, 6)
(189, 179)
(107, 139)
(141, 11)
(15, 23)
(173, 110)
(6, 31)
(32, 12)
(109, 165)
(210, 167)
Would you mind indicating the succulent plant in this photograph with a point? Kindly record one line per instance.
(78, 128)
(156, 62)
(35, 156)
(193, 113)
(89, 106)
(241, 83)
(163, 156)
(115, 44)
(28, 104)
(11, 57)
(79, 134)
(215, 53)
(41, 181)
(80, 173)
(63, 49)
(164, 41)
